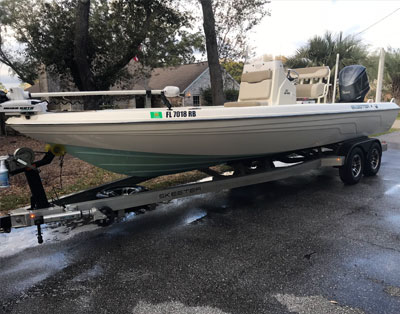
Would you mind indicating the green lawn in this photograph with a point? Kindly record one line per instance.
(97, 177)
(92, 179)
(390, 131)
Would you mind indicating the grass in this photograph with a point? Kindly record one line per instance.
(94, 178)
(172, 180)
(388, 132)
(181, 178)
(97, 177)
(8, 202)
(398, 117)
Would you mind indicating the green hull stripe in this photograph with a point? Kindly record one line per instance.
(144, 164)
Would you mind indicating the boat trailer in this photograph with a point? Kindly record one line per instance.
(87, 206)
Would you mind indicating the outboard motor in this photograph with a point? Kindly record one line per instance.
(353, 83)
(3, 97)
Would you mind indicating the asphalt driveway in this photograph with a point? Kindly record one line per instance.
(307, 244)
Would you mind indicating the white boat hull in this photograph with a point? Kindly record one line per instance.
(147, 142)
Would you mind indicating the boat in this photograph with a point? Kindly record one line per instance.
(276, 112)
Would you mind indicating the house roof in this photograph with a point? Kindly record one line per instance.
(181, 76)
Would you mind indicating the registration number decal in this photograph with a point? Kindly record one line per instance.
(180, 114)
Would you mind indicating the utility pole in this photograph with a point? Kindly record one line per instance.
(380, 76)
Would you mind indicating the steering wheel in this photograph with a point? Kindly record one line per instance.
(292, 77)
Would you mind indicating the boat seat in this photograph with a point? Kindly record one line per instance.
(313, 82)
(313, 72)
(245, 103)
(313, 91)
(255, 89)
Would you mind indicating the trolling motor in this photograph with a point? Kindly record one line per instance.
(3, 97)
(17, 101)
(169, 91)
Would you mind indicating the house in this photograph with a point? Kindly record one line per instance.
(191, 79)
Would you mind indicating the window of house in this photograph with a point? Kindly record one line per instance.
(196, 100)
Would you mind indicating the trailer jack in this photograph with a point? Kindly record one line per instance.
(38, 223)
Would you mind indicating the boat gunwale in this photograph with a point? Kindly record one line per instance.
(59, 123)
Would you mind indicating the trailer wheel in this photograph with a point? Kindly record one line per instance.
(373, 160)
(110, 216)
(352, 171)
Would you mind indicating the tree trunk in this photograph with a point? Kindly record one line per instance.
(81, 63)
(217, 87)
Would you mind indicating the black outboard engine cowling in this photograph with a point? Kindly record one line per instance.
(353, 83)
(3, 97)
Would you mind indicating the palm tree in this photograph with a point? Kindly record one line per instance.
(322, 50)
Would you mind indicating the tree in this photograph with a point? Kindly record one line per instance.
(322, 50)
(92, 42)
(81, 39)
(233, 22)
(234, 68)
(212, 53)
(230, 95)
(2, 87)
(392, 72)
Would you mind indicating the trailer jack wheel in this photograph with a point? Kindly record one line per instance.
(110, 217)
(38, 223)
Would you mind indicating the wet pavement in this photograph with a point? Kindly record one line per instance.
(307, 244)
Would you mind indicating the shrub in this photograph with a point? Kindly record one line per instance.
(230, 95)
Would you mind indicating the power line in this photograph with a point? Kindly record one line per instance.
(378, 21)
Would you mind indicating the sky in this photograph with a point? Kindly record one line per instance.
(293, 22)
(7, 80)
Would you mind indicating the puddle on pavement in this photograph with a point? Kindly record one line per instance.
(394, 190)
(195, 217)
(30, 271)
(23, 238)
(383, 266)
(93, 272)
(393, 219)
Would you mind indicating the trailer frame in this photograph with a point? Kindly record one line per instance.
(84, 205)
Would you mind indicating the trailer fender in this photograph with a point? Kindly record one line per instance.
(364, 143)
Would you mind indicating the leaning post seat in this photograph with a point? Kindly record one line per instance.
(255, 89)
(311, 82)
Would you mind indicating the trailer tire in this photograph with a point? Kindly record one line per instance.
(110, 216)
(352, 171)
(373, 160)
